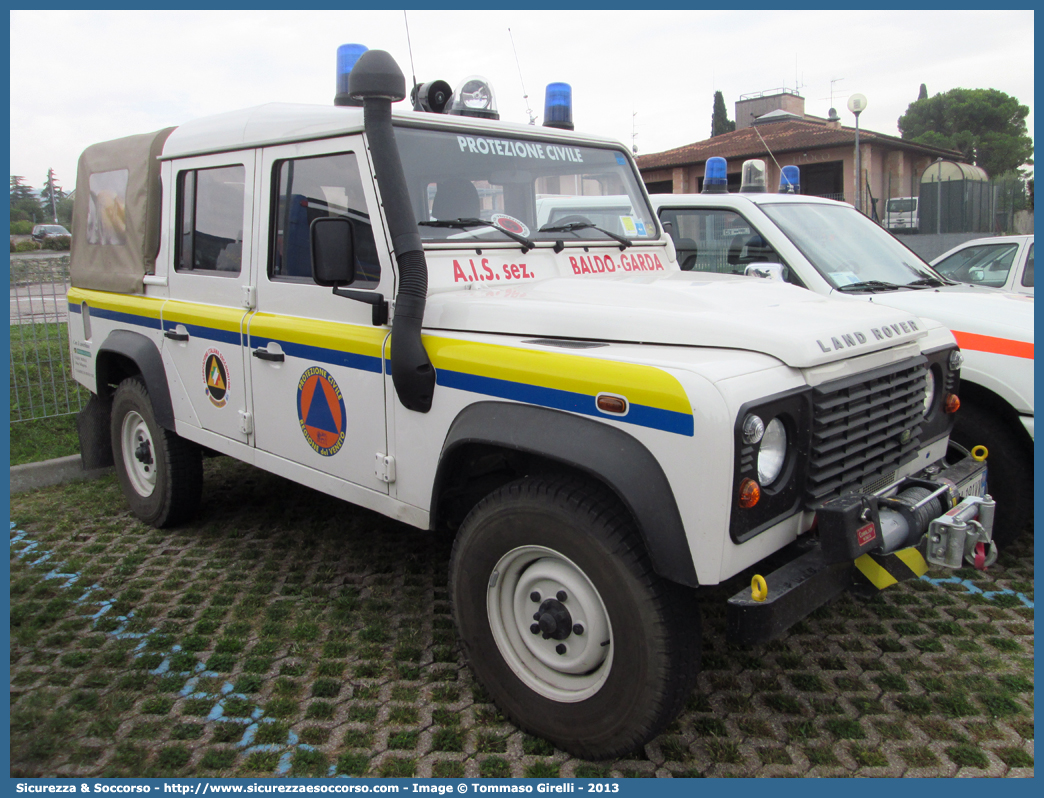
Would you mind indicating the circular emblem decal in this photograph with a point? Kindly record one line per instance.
(215, 377)
(320, 409)
(505, 222)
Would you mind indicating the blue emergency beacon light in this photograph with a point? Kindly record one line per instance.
(790, 180)
(347, 55)
(715, 177)
(558, 106)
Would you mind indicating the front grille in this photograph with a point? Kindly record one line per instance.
(858, 426)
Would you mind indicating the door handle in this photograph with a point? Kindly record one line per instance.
(264, 354)
(174, 335)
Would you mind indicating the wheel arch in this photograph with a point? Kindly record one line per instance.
(126, 354)
(555, 439)
(978, 395)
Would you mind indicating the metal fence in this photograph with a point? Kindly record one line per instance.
(956, 206)
(41, 378)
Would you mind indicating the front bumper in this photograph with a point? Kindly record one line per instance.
(866, 544)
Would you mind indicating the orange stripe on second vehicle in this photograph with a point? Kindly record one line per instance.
(997, 346)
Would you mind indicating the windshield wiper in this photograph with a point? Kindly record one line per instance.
(869, 285)
(572, 227)
(932, 282)
(527, 244)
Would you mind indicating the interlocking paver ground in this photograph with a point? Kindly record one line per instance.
(285, 632)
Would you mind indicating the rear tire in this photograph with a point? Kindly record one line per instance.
(1009, 468)
(620, 653)
(161, 474)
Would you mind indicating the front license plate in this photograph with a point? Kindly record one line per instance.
(974, 485)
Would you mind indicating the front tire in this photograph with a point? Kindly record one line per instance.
(161, 474)
(1009, 464)
(564, 622)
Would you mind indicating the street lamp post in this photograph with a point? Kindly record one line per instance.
(857, 104)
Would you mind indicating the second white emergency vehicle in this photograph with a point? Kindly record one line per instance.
(835, 251)
(373, 304)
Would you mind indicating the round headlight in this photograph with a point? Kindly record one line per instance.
(929, 391)
(956, 359)
(773, 452)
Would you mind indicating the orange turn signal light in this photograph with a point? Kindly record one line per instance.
(749, 493)
(952, 403)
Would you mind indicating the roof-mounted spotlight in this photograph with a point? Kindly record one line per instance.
(790, 180)
(432, 96)
(474, 97)
(754, 177)
(558, 106)
(347, 55)
(715, 177)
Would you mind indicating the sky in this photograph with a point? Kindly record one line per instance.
(646, 78)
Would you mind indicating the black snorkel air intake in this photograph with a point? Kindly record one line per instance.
(377, 80)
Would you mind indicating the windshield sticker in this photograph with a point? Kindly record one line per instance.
(619, 158)
(484, 272)
(632, 226)
(602, 264)
(735, 231)
(509, 223)
(519, 149)
(844, 278)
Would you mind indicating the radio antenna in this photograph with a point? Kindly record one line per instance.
(532, 116)
(413, 69)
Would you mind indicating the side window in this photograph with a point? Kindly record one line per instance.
(313, 188)
(986, 265)
(716, 240)
(210, 220)
(1027, 273)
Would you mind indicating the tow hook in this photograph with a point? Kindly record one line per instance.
(963, 535)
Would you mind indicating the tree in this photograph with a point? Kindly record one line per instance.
(50, 188)
(923, 93)
(720, 122)
(25, 206)
(986, 125)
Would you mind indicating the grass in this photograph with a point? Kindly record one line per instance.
(329, 628)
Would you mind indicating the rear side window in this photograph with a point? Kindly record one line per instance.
(210, 220)
(314, 188)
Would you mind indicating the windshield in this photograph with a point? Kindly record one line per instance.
(521, 185)
(846, 247)
(902, 205)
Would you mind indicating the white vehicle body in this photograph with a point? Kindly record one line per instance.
(902, 215)
(994, 329)
(274, 327)
(1004, 262)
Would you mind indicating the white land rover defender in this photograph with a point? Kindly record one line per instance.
(833, 250)
(367, 302)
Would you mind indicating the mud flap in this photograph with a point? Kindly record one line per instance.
(92, 425)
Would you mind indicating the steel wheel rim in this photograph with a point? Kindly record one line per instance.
(134, 434)
(576, 673)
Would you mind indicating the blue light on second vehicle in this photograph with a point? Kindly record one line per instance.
(715, 177)
(790, 180)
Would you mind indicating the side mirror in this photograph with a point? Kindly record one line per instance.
(776, 272)
(333, 251)
(976, 275)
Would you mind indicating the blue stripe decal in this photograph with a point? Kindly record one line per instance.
(74, 308)
(641, 415)
(208, 333)
(320, 354)
(126, 318)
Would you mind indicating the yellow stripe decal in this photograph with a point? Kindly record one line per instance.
(141, 311)
(878, 576)
(914, 560)
(562, 381)
(349, 345)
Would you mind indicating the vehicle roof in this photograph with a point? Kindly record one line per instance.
(278, 123)
(696, 200)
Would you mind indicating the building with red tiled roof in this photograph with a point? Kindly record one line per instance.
(824, 149)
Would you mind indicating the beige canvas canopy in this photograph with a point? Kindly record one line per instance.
(116, 213)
